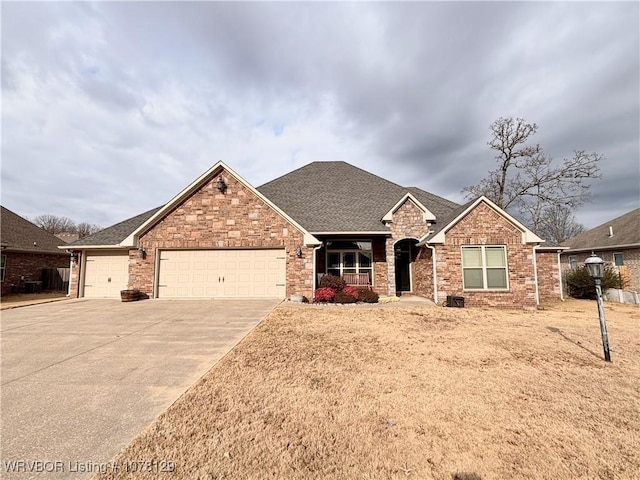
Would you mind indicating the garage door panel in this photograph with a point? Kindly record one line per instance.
(222, 274)
(106, 273)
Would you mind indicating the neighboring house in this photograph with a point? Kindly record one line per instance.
(27, 250)
(617, 242)
(222, 238)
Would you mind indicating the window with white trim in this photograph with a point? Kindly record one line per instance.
(3, 266)
(618, 259)
(350, 257)
(484, 268)
(573, 262)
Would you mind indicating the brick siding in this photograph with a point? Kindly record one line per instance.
(483, 226)
(548, 276)
(29, 266)
(236, 218)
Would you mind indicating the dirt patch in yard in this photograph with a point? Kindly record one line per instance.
(411, 392)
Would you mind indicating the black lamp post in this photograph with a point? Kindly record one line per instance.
(595, 265)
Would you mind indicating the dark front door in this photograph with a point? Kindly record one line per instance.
(403, 265)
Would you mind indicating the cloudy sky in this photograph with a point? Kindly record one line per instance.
(110, 109)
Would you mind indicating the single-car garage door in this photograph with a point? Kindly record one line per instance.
(106, 273)
(222, 274)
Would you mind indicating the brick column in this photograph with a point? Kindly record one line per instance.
(391, 267)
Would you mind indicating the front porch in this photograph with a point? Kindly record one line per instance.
(391, 267)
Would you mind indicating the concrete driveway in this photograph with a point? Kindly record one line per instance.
(81, 378)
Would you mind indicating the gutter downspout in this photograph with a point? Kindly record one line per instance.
(315, 275)
(535, 273)
(435, 273)
(560, 277)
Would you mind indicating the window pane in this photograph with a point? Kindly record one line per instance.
(333, 271)
(573, 262)
(349, 259)
(349, 270)
(495, 257)
(618, 259)
(473, 278)
(496, 278)
(364, 246)
(365, 259)
(471, 257)
(333, 260)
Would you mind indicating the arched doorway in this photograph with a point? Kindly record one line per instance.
(404, 252)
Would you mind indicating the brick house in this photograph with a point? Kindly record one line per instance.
(27, 250)
(617, 242)
(222, 238)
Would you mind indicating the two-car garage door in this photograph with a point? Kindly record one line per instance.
(222, 274)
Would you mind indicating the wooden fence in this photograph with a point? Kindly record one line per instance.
(55, 279)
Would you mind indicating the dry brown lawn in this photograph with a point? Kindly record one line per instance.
(390, 392)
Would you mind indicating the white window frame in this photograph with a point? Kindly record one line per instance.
(357, 266)
(573, 262)
(3, 268)
(484, 267)
(621, 258)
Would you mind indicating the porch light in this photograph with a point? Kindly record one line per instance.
(595, 265)
(298, 251)
(74, 256)
(142, 253)
(221, 185)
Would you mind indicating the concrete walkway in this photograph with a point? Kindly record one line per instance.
(80, 378)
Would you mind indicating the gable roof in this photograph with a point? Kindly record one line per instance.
(114, 235)
(20, 235)
(626, 232)
(338, 197)
(437, 235)
(218, 168)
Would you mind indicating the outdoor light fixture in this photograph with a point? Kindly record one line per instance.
(142, 253)
(74, 256)
(221, 185)
(298, 251)
(595, 265)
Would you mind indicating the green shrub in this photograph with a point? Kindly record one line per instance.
(368, 296)
(342, 297)
(581, 285)
(332, 281)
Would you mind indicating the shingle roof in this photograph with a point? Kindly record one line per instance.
(447, 218)
(338, 197)
(626, 231)
(116, 233)
(19, 234)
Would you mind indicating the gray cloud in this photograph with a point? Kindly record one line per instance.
(114, 107)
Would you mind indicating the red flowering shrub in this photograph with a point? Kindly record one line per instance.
(351, 291)
(324, 294)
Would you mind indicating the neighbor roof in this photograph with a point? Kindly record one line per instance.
(626, 232)
(20, 235)
(115, 234)
(338, 197)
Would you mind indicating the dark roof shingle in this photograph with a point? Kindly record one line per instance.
(338, 197)
(19, 234)
(626, 231)
(116, 233)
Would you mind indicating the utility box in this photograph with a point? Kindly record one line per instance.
(455, 301)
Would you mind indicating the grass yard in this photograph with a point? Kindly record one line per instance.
(396, 392)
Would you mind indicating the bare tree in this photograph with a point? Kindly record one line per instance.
(527, 181)
(55, 224)
(558, 224)
(85, 229)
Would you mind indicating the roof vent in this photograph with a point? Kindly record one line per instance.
(610, 231)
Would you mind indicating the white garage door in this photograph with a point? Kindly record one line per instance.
(222, 274)
(106, 273)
